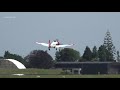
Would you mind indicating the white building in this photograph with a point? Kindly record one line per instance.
(11, 64)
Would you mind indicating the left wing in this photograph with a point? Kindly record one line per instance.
(44, 44)
(65, 45)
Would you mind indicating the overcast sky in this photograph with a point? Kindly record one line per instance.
(20, 30)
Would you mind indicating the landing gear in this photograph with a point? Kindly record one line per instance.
(49, 48)
(56, 48)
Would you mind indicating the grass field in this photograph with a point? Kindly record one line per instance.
(45, 73)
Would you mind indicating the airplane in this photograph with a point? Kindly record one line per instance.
(54, 44)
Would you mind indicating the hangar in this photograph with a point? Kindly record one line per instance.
(90, 67)
(11, 64)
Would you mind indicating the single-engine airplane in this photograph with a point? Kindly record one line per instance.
(55, 44)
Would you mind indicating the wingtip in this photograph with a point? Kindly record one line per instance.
(36, 42)
(71, 44)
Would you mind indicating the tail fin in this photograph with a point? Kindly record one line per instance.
(49, 43)
(58, 42)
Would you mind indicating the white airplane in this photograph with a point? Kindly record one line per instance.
(54, 44)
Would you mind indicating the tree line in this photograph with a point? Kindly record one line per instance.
(41, 59)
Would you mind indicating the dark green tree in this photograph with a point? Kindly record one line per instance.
(118, 56)
(8, 55)
(1, 57)
(111, 52)
(39, 59)
(102, 53)
(94, 54)
(87, 55)
(67, 55)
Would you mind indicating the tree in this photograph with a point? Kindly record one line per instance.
(94, 53)
(1, 57)
(39, 59)
(8, 55)
(110, 47)
(87, 56)
(118, 56)
(67, 55)
(102, 53)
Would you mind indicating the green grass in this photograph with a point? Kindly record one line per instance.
(30, 71)
(46, 73)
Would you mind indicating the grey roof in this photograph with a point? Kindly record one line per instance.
(84, 62)
(18, 64)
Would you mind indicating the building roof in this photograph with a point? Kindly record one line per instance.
(17, 63)
(83, 62)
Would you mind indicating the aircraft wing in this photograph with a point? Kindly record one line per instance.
(58, 46)
(44, 44)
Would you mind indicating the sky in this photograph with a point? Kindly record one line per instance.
(20, 30)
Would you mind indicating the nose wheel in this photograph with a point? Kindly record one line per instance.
(49, 48)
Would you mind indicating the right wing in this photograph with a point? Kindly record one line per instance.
(58, 46)
(44, 44)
